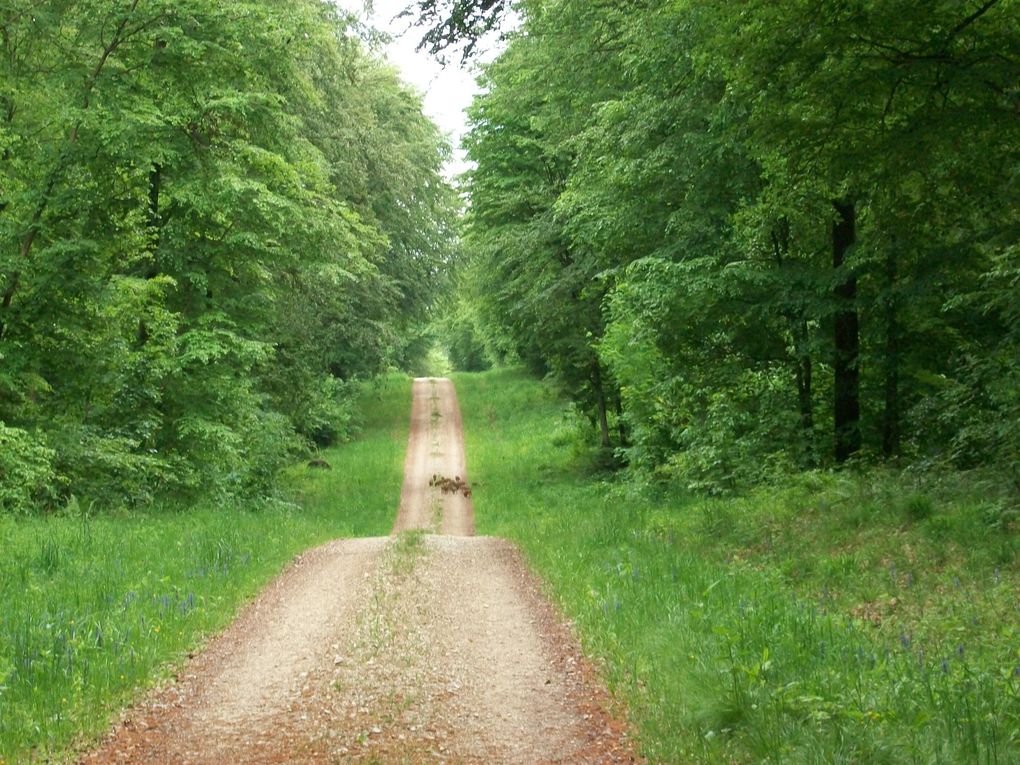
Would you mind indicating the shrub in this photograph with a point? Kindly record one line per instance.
(26, 471)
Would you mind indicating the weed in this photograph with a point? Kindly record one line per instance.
(406, 551)
(918, 507)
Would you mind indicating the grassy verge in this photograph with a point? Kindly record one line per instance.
(839, 619)
(96, 608)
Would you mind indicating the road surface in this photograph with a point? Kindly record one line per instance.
(431, 645)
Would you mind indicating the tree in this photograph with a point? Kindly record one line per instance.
(538, 285)
(773, 216)
(197, 251)
(452, 23)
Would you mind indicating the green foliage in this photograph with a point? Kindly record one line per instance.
(26, 471)
(658, 224)
(844, 617)
(463, 337)
(214, 216)
(99, 605)
(537, 290)
(452, 24)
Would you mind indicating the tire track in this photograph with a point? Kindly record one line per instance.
(435, 446)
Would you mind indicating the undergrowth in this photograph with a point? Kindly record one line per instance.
(97, 606)
(838, 618)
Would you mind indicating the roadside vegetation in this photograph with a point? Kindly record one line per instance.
(767, 253)
(98, 605)
(215, 218)
(756, 239)
(839, 617)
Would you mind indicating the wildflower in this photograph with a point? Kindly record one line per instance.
(945, 666)
(959, 650)
(905, 640)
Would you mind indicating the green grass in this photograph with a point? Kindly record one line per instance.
(93, 609)
(837, 619)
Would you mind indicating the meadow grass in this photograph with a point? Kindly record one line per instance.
(98, 606)
(838, 618)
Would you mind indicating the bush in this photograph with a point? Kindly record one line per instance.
(27, 477)
(326, 419)
(107, 468)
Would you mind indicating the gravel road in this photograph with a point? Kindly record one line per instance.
(431, 645)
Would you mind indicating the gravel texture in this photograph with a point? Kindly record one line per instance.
(421, 647)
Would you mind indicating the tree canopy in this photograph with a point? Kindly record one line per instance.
(763, 235)
(213, 217)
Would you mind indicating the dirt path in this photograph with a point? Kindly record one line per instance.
(409, 649)
(435, 447)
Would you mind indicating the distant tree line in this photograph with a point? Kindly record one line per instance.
(759, 236)
(213, 217)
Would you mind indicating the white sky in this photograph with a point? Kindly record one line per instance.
(448, 91)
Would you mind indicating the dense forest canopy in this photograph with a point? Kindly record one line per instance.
(213, 217)
(761, 235)
(744, 238)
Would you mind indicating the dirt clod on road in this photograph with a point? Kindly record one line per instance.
(415, 648)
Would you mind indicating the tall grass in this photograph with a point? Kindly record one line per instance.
(837, 619)
(95, 606)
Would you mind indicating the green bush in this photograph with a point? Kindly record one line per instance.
(465, 342)
(327, 417)
(26, 471)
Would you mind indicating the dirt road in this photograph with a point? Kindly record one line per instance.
(413, 648)
(435, 447)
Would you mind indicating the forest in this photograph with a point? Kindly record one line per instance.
(740, 250)
(757, 238)
(730, 292)
(214, 217)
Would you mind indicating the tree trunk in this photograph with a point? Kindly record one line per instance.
(154, 231)
(891, 413)
(621, 427)
(805, 390)
(846, 337)
(8, 111)
(154, 221)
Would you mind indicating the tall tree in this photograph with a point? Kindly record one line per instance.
(779, 208)
(189, 271)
